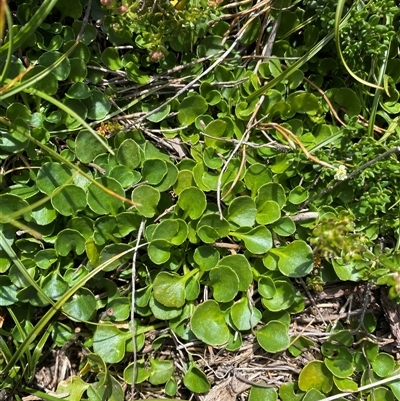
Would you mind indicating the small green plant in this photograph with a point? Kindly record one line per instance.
(170, 172)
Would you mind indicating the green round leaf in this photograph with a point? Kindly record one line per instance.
(303, 102)
(266, 287)
(8, 293)
(211, 227)
(45, 258)
(11, 204)
(160, 371)
(244, 316)
(63, 69)
(193, 202)
(174, 231)
(76, 106)
(284, 226)
(273, 337)
(225, 283)
(345, 385)
(54, 286)
(111, 59)
(268, 212)
(53, 175)
(154, 171)
(69, 200)
(78, 90)
(348, 99)
(118, 309)
(128, 154)
(206, 257)
(258, 240)
(146, 199)
(208, 324)
(381, 394)
(69, 240)
(256, 176)
(102, 202)
(341, 368)
(295, 259)
(190, 108)
(125, 176)
(242, 211)
(298, 195)
(184, 180)
(169, 289)
(169, 180)
(97, 105)
(196, 381)
(81, 306)
(315, 375)
(252, 31)
(271, 192)
(283, 297)
(383, 364)
(44, 214)
(109, 343)
(241, 266)
(163, 312)
(159, 251)
(262, 394)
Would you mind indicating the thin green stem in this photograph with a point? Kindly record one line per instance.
(11, 39)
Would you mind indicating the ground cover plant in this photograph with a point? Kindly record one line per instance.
(193, 196)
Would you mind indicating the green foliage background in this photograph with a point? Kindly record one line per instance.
(182, 167)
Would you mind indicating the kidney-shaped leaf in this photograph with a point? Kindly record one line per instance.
(268, 212)
(196, 381)
(102, 202)
(211, 227)
(13, 204)
(273, 337)
(146, 199)
(87, 146)
(271, 192)
(69, 240)
(241, 266)
(262, 394)
(295, 259)
(160, 371)
(154, 170)
(341, 368)
(225, 283)
(283, 297)
(208, 324)
(315, 375)
(169, 289)
(258, 240)
(242, 211)
(81, 306)
(303, 102)
(244, 316)
(128, 154)
(193, 202)
(109, 343)
(383, 364)
(206, 257)
(51, 176)
(69, 200)
(256, 176)
(174, 231)
(190, 108)
(159, 251)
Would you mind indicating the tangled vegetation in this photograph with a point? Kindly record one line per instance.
(178, 177)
